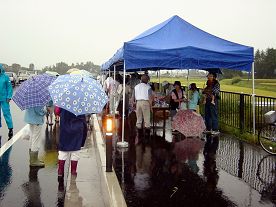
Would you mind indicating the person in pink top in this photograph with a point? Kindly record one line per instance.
(177, 97)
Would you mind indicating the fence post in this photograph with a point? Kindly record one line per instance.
(241, 112)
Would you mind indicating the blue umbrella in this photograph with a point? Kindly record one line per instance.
(78, 94)
(33, 92)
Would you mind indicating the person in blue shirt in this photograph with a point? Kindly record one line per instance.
(35, 118)
(194, 97)
(5, 97)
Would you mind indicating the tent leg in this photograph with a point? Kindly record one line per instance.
(253, 99)
(114, 99)
(159, 81)
(123, 143)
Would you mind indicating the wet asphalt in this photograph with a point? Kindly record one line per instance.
(21, 185)
(171, 170)
(162, 169)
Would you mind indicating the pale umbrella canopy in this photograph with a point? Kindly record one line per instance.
(72, 70)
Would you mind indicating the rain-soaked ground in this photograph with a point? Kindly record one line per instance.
(21, 185)
(155, 171)
(169, 170)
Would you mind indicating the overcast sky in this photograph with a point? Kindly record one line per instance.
(45, 32)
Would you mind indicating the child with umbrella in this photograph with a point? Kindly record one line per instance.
(73, 132)
(76, 95)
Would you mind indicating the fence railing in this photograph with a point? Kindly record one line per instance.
(235, 110)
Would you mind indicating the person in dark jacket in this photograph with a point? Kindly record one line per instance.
(73, 131)
(211, 104)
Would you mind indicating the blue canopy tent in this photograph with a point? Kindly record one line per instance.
(177, 44)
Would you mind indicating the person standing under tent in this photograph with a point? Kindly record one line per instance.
(119, 96)
(194, 97)
(107, 82)
(134, 81)
(5, 97)
(35, 118)
(177, 98)
(143, 98)
(73, 132)
(211, 103)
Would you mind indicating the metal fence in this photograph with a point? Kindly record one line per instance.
(235, 110)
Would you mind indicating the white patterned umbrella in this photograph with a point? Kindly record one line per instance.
(78, 94)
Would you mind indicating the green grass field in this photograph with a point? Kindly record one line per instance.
(263, 87)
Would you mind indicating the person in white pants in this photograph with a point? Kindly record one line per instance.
(73, 132)
(35, 118)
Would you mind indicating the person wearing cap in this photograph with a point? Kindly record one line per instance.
(143, 98)
(177, 97)
(5, 97)
(211, 104)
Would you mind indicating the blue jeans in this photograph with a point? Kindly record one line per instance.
(211, 116)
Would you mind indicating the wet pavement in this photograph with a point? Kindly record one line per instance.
(21, 185)
(162, 169)
(171, 170)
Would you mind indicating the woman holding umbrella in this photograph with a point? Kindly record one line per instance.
(73, 132)
(76, 95)
(33, 96)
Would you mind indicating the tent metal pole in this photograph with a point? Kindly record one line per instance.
(114, 82)
(188, 83)
(123, 143)
(159, 81)
(253, 99)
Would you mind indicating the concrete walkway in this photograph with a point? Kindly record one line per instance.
(93, 186)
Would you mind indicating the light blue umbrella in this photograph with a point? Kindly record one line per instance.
(78, 94)
(33, 92)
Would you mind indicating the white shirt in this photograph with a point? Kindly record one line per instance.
(142, 91)
(107, 83)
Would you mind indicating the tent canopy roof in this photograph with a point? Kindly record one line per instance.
(176, 44)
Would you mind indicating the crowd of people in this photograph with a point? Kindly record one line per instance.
(141, 96)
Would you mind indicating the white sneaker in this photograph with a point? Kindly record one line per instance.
(215, 132)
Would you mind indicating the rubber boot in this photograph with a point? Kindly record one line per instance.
(34, 161)
(61, 164)
(74, 165)
(10, 135)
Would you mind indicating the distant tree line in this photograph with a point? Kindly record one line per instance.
(62, 67)
(16, 67)
(265, 63)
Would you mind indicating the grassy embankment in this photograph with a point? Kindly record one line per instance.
(263, 87)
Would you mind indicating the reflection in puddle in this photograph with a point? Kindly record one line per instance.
(216, 171)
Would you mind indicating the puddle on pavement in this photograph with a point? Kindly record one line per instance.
(173, 171)
(21, 185)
